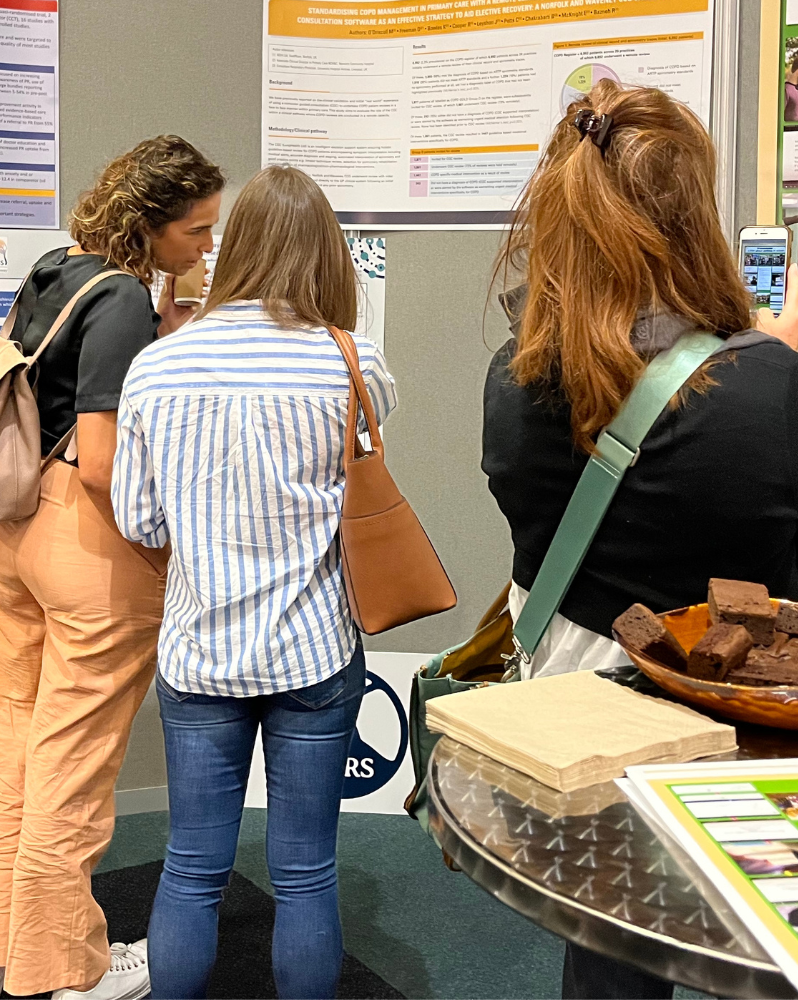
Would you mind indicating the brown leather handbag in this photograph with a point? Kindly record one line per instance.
(391, 571)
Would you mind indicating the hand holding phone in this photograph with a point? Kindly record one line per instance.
(785, 325)
(764, 259)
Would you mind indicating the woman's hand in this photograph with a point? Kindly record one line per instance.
(784, 326)
(172, 315)
(97, 436)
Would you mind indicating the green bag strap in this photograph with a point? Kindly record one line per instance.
(617, 448)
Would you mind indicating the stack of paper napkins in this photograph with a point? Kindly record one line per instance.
(576, 729)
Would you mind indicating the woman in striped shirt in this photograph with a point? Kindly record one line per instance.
(231, 442)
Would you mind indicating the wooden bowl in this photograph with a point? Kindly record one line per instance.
(766, 706)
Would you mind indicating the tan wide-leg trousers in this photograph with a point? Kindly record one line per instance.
(80, 611)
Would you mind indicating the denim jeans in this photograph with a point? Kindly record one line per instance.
(209, 745)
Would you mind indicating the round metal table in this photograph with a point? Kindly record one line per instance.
(586, 866)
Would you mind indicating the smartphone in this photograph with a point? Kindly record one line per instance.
(764, 260)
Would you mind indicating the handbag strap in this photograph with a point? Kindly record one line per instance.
(65, 313)
(617, 448)
(67, 446)
(8, 323)
(359, 398)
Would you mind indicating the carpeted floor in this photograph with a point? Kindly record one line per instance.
(412, 928)
(423, 930)
(246, 918)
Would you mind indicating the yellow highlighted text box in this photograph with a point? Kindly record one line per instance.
(25, 193)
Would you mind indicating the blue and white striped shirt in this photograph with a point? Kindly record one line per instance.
(231, 440)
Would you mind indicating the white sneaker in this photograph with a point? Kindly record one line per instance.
(127, 979)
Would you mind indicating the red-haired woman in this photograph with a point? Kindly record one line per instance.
(619, 236)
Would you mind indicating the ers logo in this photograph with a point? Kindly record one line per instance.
(363, 768)
(379, 743)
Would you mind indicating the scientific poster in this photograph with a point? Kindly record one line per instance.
(435, 114)
(738, 821)
(29, 114)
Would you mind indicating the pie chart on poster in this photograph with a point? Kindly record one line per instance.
(582, 80)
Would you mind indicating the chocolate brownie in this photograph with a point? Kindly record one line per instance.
(641, 630)
(733, 602)
(787, 619)
(769, 667)
(720, 650)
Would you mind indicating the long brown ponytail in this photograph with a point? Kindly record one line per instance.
(603, 234)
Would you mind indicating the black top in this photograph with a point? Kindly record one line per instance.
(714, 493)
(83, 367)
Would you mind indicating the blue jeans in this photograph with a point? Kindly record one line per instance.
(209, 745)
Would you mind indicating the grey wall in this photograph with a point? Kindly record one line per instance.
(130, 70)
(436, 291)
(135, 69)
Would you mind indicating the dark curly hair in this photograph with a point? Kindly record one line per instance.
(138, 194)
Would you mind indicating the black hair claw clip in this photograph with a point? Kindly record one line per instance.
(588, 123)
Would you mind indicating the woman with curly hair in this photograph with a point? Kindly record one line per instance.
(80, 607)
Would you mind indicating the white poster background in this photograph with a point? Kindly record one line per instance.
(445, 129)
(29, 155)
(379, 728)
(790, 154)
(368, 255)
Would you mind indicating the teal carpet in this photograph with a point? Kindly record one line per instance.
(429, 932)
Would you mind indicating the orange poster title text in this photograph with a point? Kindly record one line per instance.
(398, 19)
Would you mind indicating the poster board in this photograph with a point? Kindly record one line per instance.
(29, 167)
(433, 115)
(738, 821)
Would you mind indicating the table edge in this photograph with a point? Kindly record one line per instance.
(669, 952)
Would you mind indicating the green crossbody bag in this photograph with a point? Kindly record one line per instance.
(496, 651)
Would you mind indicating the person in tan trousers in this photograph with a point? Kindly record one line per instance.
(80, 607)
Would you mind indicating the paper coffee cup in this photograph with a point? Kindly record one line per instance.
(189, 287)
